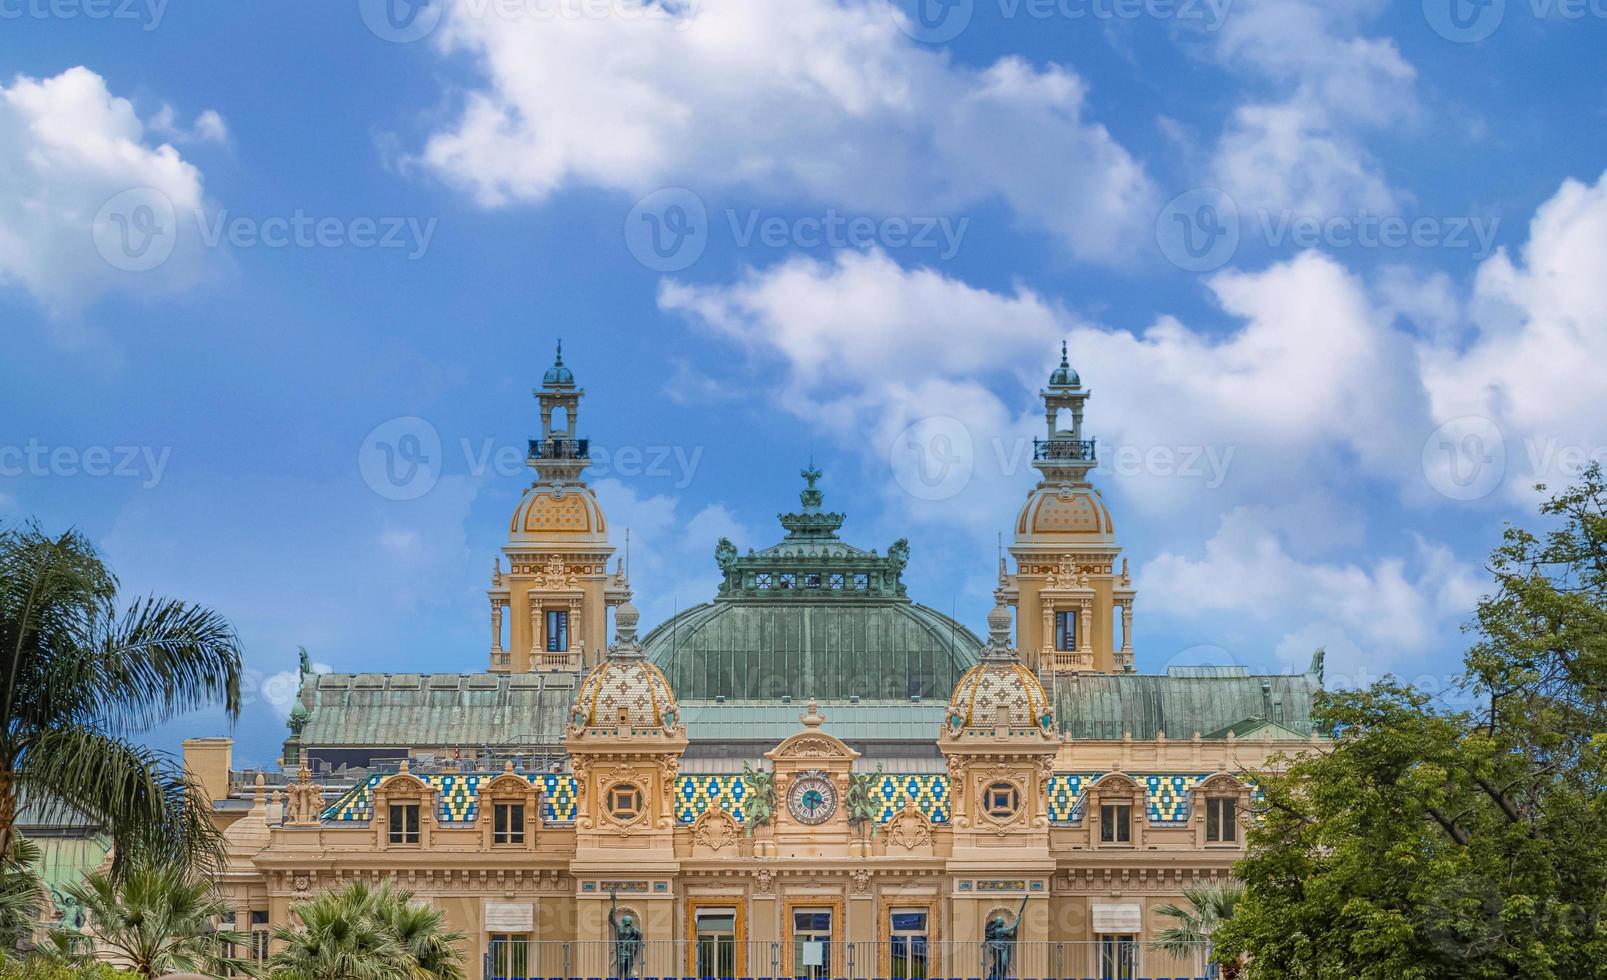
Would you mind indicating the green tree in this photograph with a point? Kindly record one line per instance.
(79, 679)
(22, 893)
(1433, 842)
(1209, 906)
(363, 933)
(159, 920)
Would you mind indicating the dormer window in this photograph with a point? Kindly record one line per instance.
(762, 581)
(861, 581)
(508, 823)
(1116, 823)
(837, 580)
(404, 823)
(789, 580)
(812, 580)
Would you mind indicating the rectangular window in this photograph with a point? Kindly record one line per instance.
(761, 580)
(1116, 823)
(861, 581)
(404, 823)
(508, 957)
(1065, 631)
(1118, 957)
(557, 630)
(836, 580)
(1221, 820)
(508, 823)
(716, 943)
(812, 580)
(811, 943)
(909, 956)
(259, 935)
(788, 581)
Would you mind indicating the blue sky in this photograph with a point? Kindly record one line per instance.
(1332, 270)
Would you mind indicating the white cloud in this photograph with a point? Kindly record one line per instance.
(1534, 364)
(209, 126)
(77, 162)
(1302, 151)
(1394, 606)
(825, 102)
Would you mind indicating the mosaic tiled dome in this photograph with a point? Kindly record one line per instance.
(1000, 680)
(626, 680)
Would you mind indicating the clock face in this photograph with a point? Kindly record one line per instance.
(812, 799)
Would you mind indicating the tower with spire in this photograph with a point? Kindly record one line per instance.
(549, 610)
(1071, 590)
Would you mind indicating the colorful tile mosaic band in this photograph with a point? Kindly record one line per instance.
(457, 797)
(695, 793)
(1168, 796)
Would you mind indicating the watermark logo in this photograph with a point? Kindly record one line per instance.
(1464, 21)
(1198, 230)
(136, 230)
(668, 229)
(1202, 229)
(933, 458)
(401, 21)
(1465, 458)
(933, 21)
(401, 459)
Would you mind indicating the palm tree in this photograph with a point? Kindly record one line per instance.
(364, 933)
(421, 931)
(22, 893)
(78, 679)
(156, 920)
(1209, 907)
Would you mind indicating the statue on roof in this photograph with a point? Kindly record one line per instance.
(860, 801)
(759, 803)
(306, 661)
(725, 554)
(898, 555)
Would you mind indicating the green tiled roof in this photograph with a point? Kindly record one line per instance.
(1106, 706)
(424, 710)
(762, 649)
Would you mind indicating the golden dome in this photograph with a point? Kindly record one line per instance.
(1065, 511)
(547, 512)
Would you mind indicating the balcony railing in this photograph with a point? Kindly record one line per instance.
(560, 448)
(908, 958)
(1063, 449)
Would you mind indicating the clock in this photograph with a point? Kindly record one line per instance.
(812, 799)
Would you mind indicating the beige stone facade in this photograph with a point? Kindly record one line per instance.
(875, 845)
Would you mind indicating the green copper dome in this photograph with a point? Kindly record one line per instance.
(1064, 376)
(812, 616)
(558, 376)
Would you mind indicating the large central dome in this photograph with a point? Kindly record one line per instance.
(812, 617)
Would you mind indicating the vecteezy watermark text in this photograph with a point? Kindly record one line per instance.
(939, 21)
(148, 13)
(139, 229)
(403, 458)
(35, 459)
(1468, 21)
(668, 230)
(1202, 229)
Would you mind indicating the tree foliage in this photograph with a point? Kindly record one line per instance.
(363, 933)
(80, 678)
(160, 920)
(1471, 843)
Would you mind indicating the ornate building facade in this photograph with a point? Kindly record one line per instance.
(811, 774)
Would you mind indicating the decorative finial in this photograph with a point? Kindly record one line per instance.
(560, 361)
(811, 474)
(812, 718)
(1063, 361)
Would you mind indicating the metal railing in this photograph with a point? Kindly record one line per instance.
(909, 958)
(1072, 449)
(559, 448)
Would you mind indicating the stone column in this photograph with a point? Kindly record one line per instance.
(496, 625)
